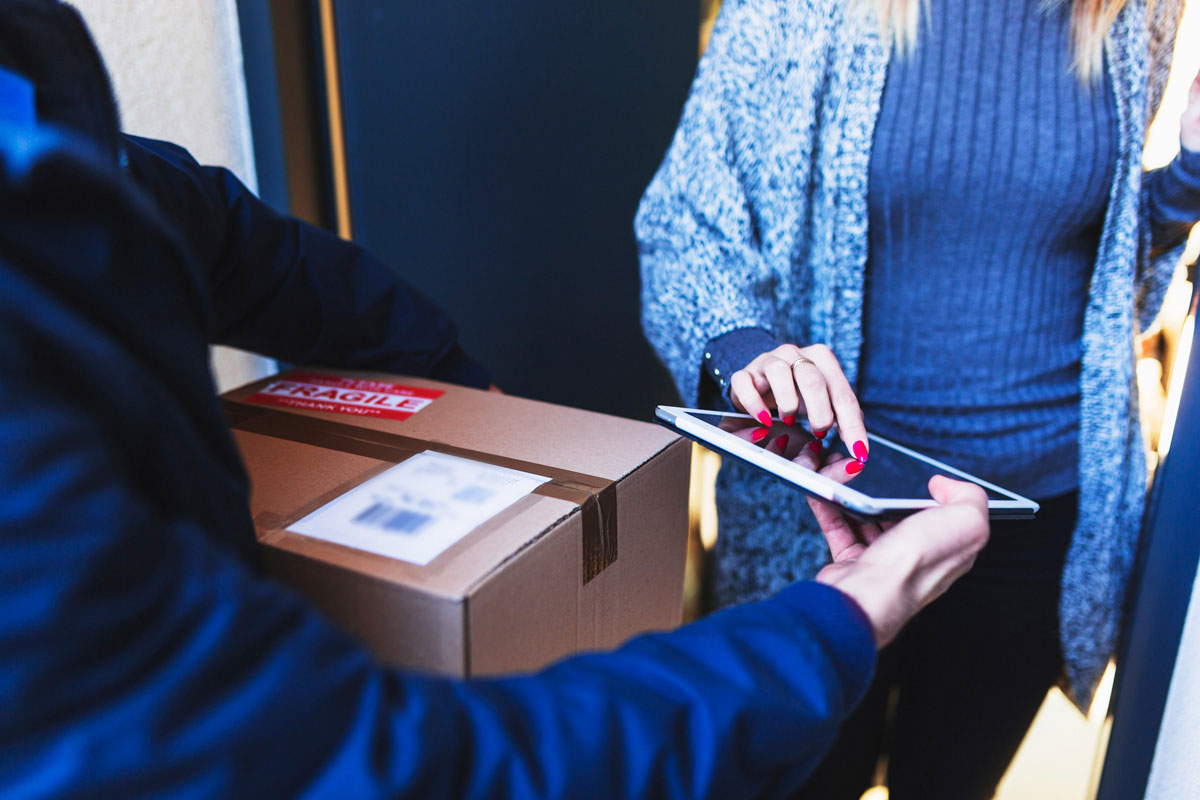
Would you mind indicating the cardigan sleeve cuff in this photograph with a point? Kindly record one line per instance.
(1174, 201)
(731, 351)
(1189, 160)
(1178, 198)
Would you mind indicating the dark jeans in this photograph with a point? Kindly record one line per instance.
(954, 695)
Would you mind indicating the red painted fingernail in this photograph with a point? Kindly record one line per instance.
(764, 418)
(821, 434)
(853, 467)
(782, 442)
(860, 452)
(758, 434)
(815, 446)
(789, 420)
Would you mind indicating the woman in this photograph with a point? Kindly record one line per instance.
(944, 218)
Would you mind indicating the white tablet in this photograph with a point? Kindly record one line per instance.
(893, 483)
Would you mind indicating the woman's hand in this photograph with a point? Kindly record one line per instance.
(802, 380)
(1189, 124)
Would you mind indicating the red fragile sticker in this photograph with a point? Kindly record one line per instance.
(362, 398)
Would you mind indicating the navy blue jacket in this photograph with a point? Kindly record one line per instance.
(141, 653)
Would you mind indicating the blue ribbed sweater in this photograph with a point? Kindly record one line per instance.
(989, 180)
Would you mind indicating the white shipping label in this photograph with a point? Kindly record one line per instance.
(418, 508)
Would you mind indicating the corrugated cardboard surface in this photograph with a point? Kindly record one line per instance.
(567, 438)
(536, 609)
(511, 594)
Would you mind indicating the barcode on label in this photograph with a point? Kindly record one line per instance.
(475, 495)
(390, 518)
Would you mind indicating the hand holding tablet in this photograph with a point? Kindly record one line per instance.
(893, 570)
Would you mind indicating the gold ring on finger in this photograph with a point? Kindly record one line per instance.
(799, 361)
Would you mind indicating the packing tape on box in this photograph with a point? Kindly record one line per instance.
(596, 497)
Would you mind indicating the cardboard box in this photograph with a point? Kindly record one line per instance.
(592, 557)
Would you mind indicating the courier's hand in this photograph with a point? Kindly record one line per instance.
(894, 571)
(1189, 124)
(802, 380)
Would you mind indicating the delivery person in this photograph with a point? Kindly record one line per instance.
(141, 652)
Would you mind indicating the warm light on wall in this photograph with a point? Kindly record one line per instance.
(705, 466)
(337, 137)
(1100, 700)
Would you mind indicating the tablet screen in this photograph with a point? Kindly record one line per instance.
(890, 472)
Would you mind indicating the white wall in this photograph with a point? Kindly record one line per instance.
(1175, 771)
(176, 66)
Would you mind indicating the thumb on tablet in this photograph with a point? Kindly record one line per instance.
(947, 491)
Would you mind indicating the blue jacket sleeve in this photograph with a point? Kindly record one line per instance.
(138, 660)
(292, 291)
(141, 657)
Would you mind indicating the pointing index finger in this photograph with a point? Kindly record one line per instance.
(846, 409)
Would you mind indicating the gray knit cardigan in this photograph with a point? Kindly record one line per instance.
(758, 218)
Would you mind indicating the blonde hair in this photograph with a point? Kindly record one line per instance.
(900, 22)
